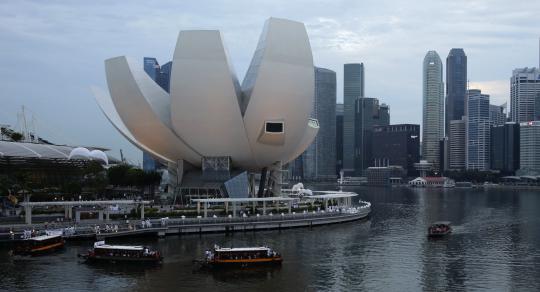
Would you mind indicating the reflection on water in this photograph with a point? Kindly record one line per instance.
(494, 246)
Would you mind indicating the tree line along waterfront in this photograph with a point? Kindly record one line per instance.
(91, 181)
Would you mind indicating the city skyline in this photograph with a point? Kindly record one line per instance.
(66, 54)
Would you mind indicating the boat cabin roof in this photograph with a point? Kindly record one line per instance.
(43, 237)
(441, 223)
(120, 247)
(242, 249)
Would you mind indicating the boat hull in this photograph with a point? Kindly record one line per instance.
(42, 250)
(438, 235)
(120, 260)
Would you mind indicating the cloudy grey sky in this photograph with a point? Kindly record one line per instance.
(52, 51)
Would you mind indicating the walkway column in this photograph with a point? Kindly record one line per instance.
(28, 214)
(142, 211)
(290, 206)
(107, 215)
(66, 212)
(100, 215)
(325, 204)
(234, 209)
(205, 209)
(77, 216)
(226, 207)
(254, 207)
(264, 207)
(70, 212)
(198, 208)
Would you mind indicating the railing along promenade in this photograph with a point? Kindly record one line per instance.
(185, 225)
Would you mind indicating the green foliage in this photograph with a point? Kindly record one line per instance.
(125, 175)
(15, 136)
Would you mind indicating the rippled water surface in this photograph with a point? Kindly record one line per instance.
(495, 246)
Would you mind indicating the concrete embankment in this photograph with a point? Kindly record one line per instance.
(242, 224)
(177, 226)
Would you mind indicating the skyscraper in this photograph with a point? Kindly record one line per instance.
(456, 85)
(529, 154)
(432, 108)
(353, 88)
(525, 95)
(396, 145)
(497, 116)
(162, 76)
(151, 67)
(368, 115)
(478, 130)
(320, 158)
(505, 148)
(339, 137)
(457, 144)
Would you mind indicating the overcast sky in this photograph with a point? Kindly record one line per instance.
(53, 51)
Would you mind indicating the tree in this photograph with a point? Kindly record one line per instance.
(15, 136)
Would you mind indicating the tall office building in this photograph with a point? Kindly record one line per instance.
(320, 158)
(529, 154)
(456, 85)
(396, 145)
(161, 75)
(353, 88)
(368, 115)
(165, 76)
(497, 116)
(457, 144)
(432, 108)
(339, 137)
(525, 95)
(443, 155)
(478, 130)
(505, 148)
(151, 67)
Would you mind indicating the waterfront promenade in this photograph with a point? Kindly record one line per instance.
(93, 229)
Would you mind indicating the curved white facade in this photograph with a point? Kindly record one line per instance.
(208, 113)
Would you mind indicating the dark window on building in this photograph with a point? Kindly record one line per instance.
(274, 127)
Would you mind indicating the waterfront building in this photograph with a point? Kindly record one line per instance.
(319, 160)
(432, 108)
(456, 86)
(368, 114)
(478, 130)
(529, 153)
(423, 167)
(353, 88)
(396, 145)
(385, 175)
(210, 132)
(504, 153)
(339, 137)
(48, 164)
(525, 95)
(457, 144)
(497, 114)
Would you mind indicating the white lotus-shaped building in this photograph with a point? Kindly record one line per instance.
(208, 113)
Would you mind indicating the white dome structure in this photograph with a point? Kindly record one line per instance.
(79, 153)
(264, 121)
(99, 156)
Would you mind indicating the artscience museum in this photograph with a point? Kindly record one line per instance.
(212, 132)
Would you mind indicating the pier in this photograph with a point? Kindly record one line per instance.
(178, 226)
